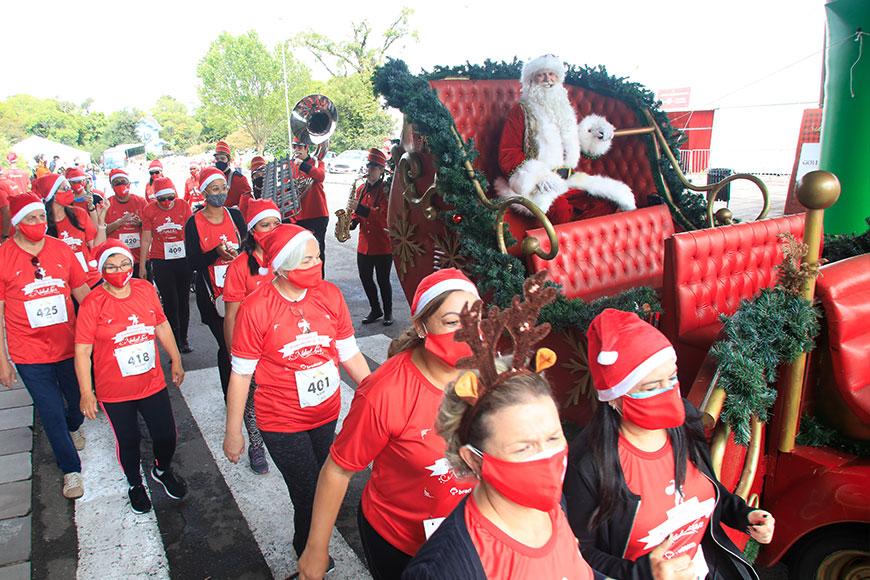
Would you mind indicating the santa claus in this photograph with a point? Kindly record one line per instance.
(541, 145)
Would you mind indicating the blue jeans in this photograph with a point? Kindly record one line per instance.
(49, 385)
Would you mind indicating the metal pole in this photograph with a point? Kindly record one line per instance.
(286, 97)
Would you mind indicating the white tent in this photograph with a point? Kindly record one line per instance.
(33, 146)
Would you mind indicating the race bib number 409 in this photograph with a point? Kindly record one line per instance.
(317, 384)
(173, 250)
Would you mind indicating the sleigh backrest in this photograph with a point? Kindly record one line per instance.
(480, 107)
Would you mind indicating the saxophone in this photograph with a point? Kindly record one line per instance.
(343, 225)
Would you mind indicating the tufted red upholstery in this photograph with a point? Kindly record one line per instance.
(708, 272)
(844, 290)
(606, 255)
(479, 109)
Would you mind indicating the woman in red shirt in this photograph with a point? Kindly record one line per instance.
(501, 424)
(246, 273)
(39, 275)
(124, 216)
(163, 247)
(391, 422)
(641, 491)
(117, 325)
(155, 171)
(294, 331)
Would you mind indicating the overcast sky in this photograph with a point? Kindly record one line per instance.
(125, 54)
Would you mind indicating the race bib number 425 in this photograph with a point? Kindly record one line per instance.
(46, 311)
(317, 384)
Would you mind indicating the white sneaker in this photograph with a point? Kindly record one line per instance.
(78, 438)
(73, 486)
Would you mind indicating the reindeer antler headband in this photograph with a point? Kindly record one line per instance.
(483, 335)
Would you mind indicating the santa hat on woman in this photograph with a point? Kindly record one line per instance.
(222, 147)
(118, 173)
(108, 248)
(436, 284)
(155, 166)
(281, 242)
(75, 174)
(258, 209)
(47, 185)
(623, 349)
(257, 162)
(163, 186)
(549, 62)
(22, 204)
(208, 175)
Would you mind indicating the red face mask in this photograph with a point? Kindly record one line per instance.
(33, 232)
(260, 236)
(448, 350)
(307, 278)
(64, 197)
(118, 279)
(534, 483)
(121, 190)
(664, 410)
(78, 187)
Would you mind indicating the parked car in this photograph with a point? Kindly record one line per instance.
(350, 161)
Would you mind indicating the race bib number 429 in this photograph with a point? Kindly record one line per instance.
(317, 384)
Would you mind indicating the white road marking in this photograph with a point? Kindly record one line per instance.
(108, 531)
(375, 346)
(262, 499)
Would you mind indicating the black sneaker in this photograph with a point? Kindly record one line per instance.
(175, 486)
(140, 503)
(329, 570)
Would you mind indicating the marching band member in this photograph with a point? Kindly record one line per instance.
(642, 495)
(117, 324)
(39, 275)
(314, 214)
(246, 273)
(374, 249)
(294, 331)
(236, 182)
(212, 237)
(124, 216)
(391, 422)
(163, 247)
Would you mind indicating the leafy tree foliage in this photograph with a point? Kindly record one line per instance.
(179, 129)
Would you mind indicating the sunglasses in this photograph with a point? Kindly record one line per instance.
(167, 198)
(155, 172)
(120, 182)
(37, 273)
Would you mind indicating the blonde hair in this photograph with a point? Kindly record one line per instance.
(450, 425)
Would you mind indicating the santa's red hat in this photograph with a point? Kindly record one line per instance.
(549, 62)
(75, 174)
(222, 147)
(623, 349)
(377, 157)
(209, 174)
(258, 209)
(257, 162)
(282, 241)
(118, 173)
(108, 248)
(163, 186)
(47, 185)
(11, 157)
(155, 165)
(436, 284)
(22, 204)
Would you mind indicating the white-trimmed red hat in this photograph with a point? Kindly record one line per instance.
(22, 204)
(436, 284)
(257, 162)
(209, 174)
(75, 174)
(623, 349)
(118, 172)
(163, 186)
(156, 164)
(549, 62)
(108, 248)
(258, 209)
(222, 147)
(282, 241)
(47, 185)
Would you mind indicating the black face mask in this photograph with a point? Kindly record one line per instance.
(258, 182)
(222, 165)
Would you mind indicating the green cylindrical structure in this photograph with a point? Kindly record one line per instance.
(846, 118)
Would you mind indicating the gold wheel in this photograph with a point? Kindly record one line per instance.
(845, 565)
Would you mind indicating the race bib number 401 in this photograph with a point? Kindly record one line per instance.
(136, 359)
(317, 384)
(46, 311)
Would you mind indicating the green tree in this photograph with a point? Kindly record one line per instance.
(179, 129)
(121, 127)
(363, 123)
(241, 82)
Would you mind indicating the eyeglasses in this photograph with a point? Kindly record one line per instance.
(123, 266)
(37, 273)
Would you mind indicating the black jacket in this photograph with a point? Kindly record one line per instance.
(604, 546)
(199, 260)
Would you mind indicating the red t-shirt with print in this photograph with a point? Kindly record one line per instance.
(167, 230)
(77, 239)
(211, 236)
(121, 330)
(504, 557)
(39, 314)
(240, 282)
(663, 509)
(294, 344)
(392, 422)
(129, 234)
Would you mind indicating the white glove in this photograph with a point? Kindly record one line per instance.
(549, 184)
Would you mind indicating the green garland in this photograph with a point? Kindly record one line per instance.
(816, 433)
(841, 246)
(500, 274)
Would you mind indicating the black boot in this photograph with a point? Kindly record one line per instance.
(388, 319)
(373, 315)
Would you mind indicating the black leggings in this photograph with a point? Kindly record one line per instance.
(299, 457)
(215, 323)
(317, 226)
(156, 410)
(173, 283)
(385, 561)
(367, 266)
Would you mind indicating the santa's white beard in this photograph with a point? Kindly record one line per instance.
(552, 102)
